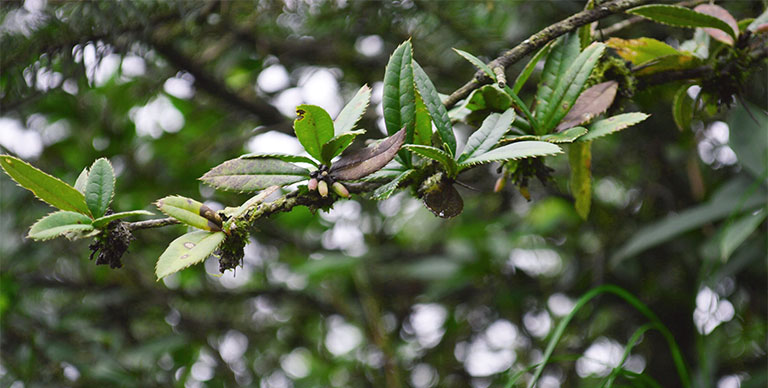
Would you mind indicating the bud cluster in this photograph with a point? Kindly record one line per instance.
(320, 180)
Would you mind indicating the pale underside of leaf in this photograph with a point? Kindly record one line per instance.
(187, 250)
(82, 180)
(353, 111)
(568, 136)
(253, 174)
(59, 223)
(105, 220)
(591, 102)
(368, 160)
(283, 157)
(488, 135)
(189, 211)
(45, 187)
(612, 124)
(514, 151)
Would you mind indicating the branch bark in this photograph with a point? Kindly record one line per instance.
(539, 39)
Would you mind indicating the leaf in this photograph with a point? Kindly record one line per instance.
(385, 191)
(480, 65)
(669, 62)
(435, 107)
(528, 70)
(399, 98)
(747, 137)
(495, 98)
(571, 85)
(187, 250)
(641, 50)
(367, 160)
(100, 187)
(443, 200)
(313, 128)
(491, 131)
(283, 157)
(728, 199)
(734, 234)
(580, 159)
(47, 188)
(592, 102)
(190, 212)
(521, 105)
(337, 145)
(436, 154)
(58, 223)
(682, 108)
(564, 51)
(105, 220)
(353, 111)
(725, 16)
(513, 139)
(514, 151)
(698, 46)
(758, 22)
(613, 124)
(261, 196)
(82, 180)
(567, 136)
(677, 16)
(253, 174)
(422, 133)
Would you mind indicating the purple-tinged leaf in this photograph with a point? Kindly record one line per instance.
(590, 103)
(368, 160)
(720, 13)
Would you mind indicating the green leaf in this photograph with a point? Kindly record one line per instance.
(521, 105)
(253, 174)
(747, 137)
(528, 70)
(59, 223)
(100, 187)
(682, 108)
(669, 62)
(567, 136)
(283, 157)
(514, 151)
(677, 16)
(105, 220)
(613, 124)
(353, 111)
(725, 16)
(337, 145)
(734, 234)
(423, 130)
(399, 97)
(591, 103)
(385, 191)
(82, 180)
(190, 212)
(570, 86)
(564, 51)
(580, 159)
(491, 131)
(436, 154)
(480, 65)
(735, 196)
(313, 128)
(187, 250)
(367, 160)
(435, 107)
(641, 50)
(47, 188)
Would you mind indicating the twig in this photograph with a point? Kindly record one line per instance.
(157, 223)
(539, 39)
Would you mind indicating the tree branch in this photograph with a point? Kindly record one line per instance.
(539, 39)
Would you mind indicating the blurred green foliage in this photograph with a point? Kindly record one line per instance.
(370, 293)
